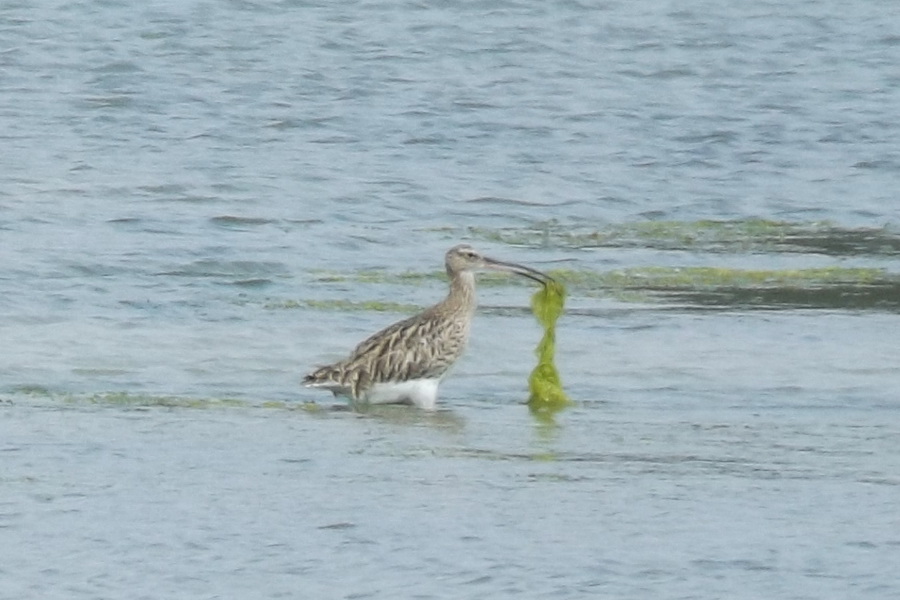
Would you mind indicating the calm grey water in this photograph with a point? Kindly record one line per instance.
(174, 175)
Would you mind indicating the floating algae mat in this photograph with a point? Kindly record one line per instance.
(547, 395)
(737, 236)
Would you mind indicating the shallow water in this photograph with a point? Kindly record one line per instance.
(201, 201)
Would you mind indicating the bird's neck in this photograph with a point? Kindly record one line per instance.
(462, 292)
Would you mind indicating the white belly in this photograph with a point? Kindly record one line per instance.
(418, 392)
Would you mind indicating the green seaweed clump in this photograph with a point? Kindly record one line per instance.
(547, 395)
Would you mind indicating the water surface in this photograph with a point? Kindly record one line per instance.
(201, 201)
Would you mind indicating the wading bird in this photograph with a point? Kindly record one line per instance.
(405, 362)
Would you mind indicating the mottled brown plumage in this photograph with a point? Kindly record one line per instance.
(405, 362)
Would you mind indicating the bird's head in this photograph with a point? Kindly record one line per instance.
(464, 258)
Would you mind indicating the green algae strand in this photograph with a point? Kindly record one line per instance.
(544, 384)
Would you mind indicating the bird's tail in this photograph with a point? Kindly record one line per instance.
(330, 377)
(322, 377)
(338, 379)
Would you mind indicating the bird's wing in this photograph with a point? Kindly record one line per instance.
(415, 348)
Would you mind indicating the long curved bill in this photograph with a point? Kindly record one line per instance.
(499, 265)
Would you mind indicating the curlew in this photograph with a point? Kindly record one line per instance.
(405, 362)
